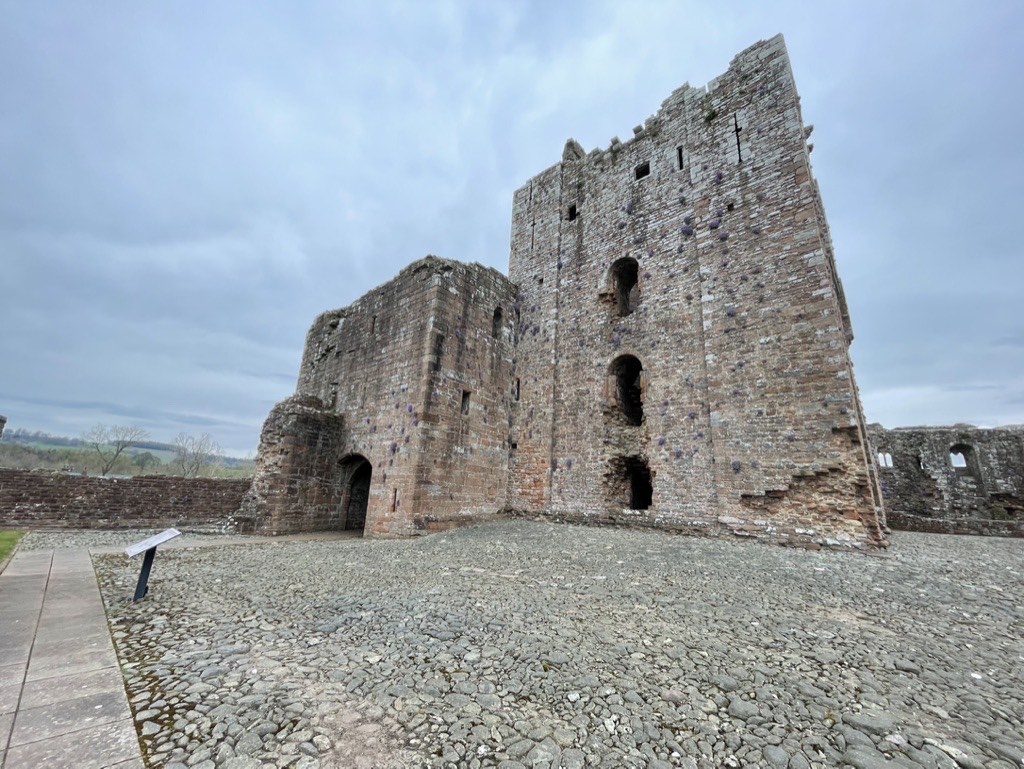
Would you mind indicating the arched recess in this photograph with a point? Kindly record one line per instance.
(622, 287)
(355, 474)
(626, 385)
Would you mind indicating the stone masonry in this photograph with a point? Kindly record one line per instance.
(960, 479)
(39, 499)
(671, 350)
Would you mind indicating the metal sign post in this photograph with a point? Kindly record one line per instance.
(148, 546)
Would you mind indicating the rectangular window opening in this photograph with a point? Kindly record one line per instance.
(572, 213)
(642, 170)
(679, 157)
(465, 401)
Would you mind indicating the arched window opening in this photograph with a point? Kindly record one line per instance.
(628, 483)
(961, 457)
(623, 287)
(496, 322)
(625, 381)
(884, 459)
(355, 474)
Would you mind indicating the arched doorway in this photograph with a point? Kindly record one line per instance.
(355, 474)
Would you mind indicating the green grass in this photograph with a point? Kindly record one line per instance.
(8, 539)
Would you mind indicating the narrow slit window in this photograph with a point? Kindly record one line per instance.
(465, 401)
(679, 157)
(373, 324)
(737, 129)
(642, 170)
(515, 390)
(496, 322)
(394, 500)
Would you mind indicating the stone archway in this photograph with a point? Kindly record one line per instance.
(355, 472)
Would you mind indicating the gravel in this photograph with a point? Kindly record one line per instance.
(524, 644)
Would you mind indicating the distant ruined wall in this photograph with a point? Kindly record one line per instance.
(37, 499)
(3, 424)
(957, 480)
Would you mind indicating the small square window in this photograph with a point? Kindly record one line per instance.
(572, 213)
(642, 170)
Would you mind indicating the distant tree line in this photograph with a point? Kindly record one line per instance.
(120, 450)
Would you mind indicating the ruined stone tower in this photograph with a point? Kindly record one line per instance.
(671, 351)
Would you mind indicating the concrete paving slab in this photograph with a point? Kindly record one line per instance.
(57, 718)
(28, 564)
(47, 691)
(77, 627)
(9, 694)
(69, 664)
(13, 585)
(48, 647)
(6, 722)
(12, 673)
(93, 748)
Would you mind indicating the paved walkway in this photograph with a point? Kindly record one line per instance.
(62, 698)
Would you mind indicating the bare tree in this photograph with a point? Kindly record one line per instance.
(192, 454)
(109, 442)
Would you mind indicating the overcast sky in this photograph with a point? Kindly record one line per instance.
(184, 186)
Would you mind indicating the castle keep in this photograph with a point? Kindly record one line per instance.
(670, 349)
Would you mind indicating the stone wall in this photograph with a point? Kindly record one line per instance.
(958, 479)
(36, 499)
(688, 274)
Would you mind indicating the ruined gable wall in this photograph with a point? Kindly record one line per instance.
(924, 491)
(383, 379)
(366, 363)
(752, 420)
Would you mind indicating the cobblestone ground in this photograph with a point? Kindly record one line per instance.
(530, 645)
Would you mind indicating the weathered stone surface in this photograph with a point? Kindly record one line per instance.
(671, 350)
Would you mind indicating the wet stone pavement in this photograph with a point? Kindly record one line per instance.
(530, 645)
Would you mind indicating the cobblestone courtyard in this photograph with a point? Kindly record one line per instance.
(530, 645)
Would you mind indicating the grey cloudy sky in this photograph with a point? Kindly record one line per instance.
(185, 186)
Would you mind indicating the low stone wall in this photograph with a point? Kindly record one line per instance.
(979, 527)
(33, 499)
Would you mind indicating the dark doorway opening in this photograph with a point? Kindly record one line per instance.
(356, 472)
(626, 372)
(629, 483)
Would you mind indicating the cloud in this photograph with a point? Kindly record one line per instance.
(188, 185)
